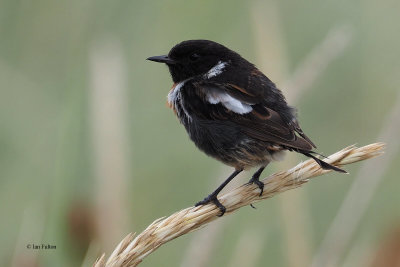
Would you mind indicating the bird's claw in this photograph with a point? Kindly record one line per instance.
(213, 199)
(258, 183)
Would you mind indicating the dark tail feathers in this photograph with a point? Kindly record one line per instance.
(324, 165)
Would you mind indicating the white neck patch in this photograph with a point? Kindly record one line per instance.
(174, 94)
(175, 99)
(216, 70)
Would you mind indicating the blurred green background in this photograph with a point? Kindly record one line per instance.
(89, 151)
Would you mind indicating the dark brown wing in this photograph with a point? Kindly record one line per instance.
(272, 129)
(256, 88)
(250, 112)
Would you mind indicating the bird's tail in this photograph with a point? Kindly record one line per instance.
(324, 165)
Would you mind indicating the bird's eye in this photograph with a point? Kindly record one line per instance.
(194, 57)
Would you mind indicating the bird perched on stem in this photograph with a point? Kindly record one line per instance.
(232, 111)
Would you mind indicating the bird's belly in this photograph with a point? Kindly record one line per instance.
(224, 141)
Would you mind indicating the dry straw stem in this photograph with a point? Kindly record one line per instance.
(132, 250)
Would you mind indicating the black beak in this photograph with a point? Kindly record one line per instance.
(162, 59)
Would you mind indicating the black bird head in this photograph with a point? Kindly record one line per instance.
(195, 57)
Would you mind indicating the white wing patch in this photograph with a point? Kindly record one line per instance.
(231, 103)
(216, 70)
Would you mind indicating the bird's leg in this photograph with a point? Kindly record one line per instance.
(255, 179)
(213, 196)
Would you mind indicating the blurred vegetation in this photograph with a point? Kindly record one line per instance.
(48, 176)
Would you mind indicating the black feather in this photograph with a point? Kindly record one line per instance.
(324, 165)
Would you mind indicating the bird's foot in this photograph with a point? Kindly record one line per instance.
(212, 198)
(260, 184)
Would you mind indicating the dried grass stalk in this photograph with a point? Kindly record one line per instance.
(132, 250)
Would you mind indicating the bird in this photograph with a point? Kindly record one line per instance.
(232, 111)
